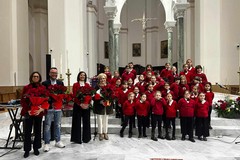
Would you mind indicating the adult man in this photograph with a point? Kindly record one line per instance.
(52, 115)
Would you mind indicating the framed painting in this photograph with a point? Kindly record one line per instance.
(106, 55)
(136, 49)
(164, 49)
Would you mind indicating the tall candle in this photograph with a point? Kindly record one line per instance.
(53, 63)
(61, 70)
(67, 60)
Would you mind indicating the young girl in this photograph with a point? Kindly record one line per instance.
(199, 73)
(128, 112)
(209, 98)
(123, 96)
(142, 109)
(136, 98)
(186, 73)
(186, 108)
(141, 84)
(130, 84)
(171, 112)
(158, 103)
(183, 86)
(201, 110)
(108, 73)
(194, 93)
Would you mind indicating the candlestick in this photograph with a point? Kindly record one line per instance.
(60, 78)
(68, 77)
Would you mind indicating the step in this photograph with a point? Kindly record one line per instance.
(221, 126)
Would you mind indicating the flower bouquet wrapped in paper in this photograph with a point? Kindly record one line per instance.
(108, 95)
(84, 96)
(57, 93)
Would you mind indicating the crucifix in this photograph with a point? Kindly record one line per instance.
(144, 21)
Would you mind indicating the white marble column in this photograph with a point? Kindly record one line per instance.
(92, 40)
(111, 13)
(179, 10)
(117, 28)
(14, 43)
(169, 27)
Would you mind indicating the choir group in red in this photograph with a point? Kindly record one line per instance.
(155, 98)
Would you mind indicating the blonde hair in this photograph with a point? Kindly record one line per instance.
(102, 75)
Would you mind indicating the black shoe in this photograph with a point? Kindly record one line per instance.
(204, 139)
(121, 134)
(200, 138)
(191, 139)
(144, 135)
(161, 137)
(167, 137)
(26, 154)
(210, 127)
(130, 135)
(154, 138)
(173, 138)
(36, 152)
(139, 136)
(183, 138)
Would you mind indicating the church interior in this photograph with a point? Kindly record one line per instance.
(89, 35)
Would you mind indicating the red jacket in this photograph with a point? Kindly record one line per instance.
(142, 108)
(126, 76)
(182, 88)
(171, 109)
(165, 92)
(137, 97)
(123, 96)
(158, 106)
(150, 95)
(128, 108)
(109, 76)
(203, 76)
(175, 88)
(186, 108)
(114, 80)
(171, 77)
(189, 76)
(75, 89)
(165, 72)
(141, 86)
(194, 97)
(201, 110)
(209, 97)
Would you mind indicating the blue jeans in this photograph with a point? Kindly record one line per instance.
(52, 115)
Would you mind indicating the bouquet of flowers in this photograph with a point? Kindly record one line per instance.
(57, 93)
(84, 96)
(228, 108)
(38, 97)
(108, 95)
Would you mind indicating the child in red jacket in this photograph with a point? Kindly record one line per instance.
(123, 96)
(186, 109)
(128, 112)
(201, 111)
(158, 104)
(171, 112)
(142, 109)
(209, 98)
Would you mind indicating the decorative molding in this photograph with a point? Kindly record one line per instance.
(152, 28)
(169, 25)
(110, 12)
(100, 23)
(90, 5)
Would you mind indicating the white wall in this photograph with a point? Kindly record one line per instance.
(14, 46)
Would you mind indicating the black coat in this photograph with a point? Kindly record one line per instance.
(100, 109)
(47, 83)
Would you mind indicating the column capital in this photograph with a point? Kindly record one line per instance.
(179, 8)
(110, 12)
(169, 25)
(117, 27)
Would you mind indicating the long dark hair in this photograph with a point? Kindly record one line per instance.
(31, 77)
(78, 76)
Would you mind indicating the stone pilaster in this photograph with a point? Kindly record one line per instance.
(117, 28)
(111, 13)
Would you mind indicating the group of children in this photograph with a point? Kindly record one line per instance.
(157, 99)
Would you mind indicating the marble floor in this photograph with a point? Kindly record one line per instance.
(216, 148)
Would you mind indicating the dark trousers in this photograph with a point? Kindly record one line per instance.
(80, 117)
(202, 127)
(36, 123)
(127, 120)
(157, 120)
(142, 124)
(209, 115)
(168, 122)
(186, 126)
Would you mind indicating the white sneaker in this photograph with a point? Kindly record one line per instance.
(59, 144)
(46, 148)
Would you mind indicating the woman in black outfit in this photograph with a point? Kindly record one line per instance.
(81, 114)
(32, 119)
